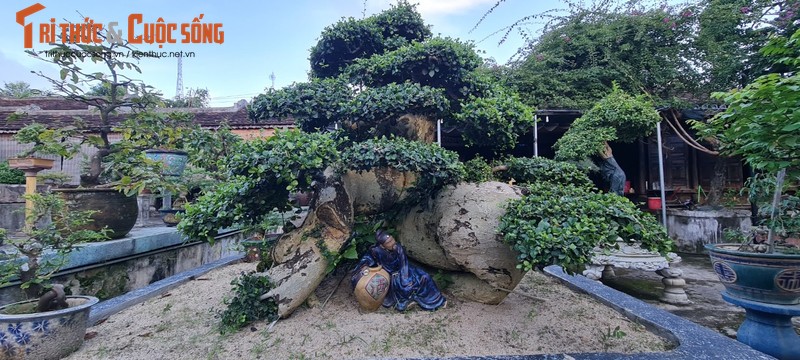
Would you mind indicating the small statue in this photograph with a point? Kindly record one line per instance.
(611, 171)
(408, 285)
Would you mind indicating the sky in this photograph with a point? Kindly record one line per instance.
(260, 37)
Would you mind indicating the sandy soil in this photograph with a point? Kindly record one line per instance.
(182, 324)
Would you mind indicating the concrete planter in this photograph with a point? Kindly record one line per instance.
(45, 335)
(692, 230)
(114, 210)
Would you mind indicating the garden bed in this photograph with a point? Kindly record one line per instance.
(181, 323)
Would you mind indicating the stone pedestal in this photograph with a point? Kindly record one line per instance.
(768, 328)
(634, 257)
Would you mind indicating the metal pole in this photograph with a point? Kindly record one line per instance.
(536, 135)
(661, 177)
(439, 132)
(776, 199)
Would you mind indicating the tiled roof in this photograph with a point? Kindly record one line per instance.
(59, 112)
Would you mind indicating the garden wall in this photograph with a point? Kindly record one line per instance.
(12, 206)
(691, 230)
(146, 255)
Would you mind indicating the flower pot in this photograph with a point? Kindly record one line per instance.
(174, 161)
(45, 335)
(769, 278)
(114, 209)
(654, 203)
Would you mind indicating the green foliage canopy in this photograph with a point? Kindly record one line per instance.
(9, 175)
(531, 170)
(435, 166)
(262, 173)
(617, 116)
(562, 224)
(762, 120)
(678, 54)
(350, 39)
(366, 81)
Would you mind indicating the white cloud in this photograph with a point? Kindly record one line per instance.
(448, 7)
(433, 8)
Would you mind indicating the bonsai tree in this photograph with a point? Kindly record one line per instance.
(120, 91)
(383, 82)
(42, 251)
(385, 75)
(760, 125)
(616, 117)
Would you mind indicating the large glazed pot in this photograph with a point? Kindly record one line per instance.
(769, 278)
(114, 209)
(174, 161)
(46, 335)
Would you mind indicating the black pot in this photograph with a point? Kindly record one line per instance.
(114, 210)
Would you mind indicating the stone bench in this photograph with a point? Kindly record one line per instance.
(634, 257)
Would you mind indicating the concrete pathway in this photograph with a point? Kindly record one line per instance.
(702, 286)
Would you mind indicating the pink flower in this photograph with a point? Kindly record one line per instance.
(745, 9)
(666, 20)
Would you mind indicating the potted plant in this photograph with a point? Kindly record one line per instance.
(760, 124)
(112, 92)
(163, 136)
(53, 325)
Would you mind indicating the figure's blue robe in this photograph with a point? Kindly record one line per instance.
(409, 283)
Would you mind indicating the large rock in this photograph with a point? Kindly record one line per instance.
(417, 233)
(456, 231)
(469, 216)
(377, 190)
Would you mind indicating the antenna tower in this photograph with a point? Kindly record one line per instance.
(272, 78)
(179, 85)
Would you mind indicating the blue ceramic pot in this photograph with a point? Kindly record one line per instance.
(770, 278)
(174, 161)
(44, 335)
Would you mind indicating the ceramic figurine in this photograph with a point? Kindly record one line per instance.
(408, 285)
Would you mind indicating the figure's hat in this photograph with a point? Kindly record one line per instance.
(381, 236)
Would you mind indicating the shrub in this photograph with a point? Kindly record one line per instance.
(526, 170)
(478, 170)
(563, 224)
(246, 306)
(435, 166)
(617, 116)
(11, 176)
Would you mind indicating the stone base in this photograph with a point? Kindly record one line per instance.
(634, 257)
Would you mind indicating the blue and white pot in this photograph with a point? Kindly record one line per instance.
(25, 334)
(769, 278)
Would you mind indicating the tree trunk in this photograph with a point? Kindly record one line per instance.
(92, 178)
(301, 265)
(717, 182)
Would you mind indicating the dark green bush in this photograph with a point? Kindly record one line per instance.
(262, 173)
(478, 170)
(9, 175)
(246, 307)
(525, 170)
(616, 117)
(562, 224)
